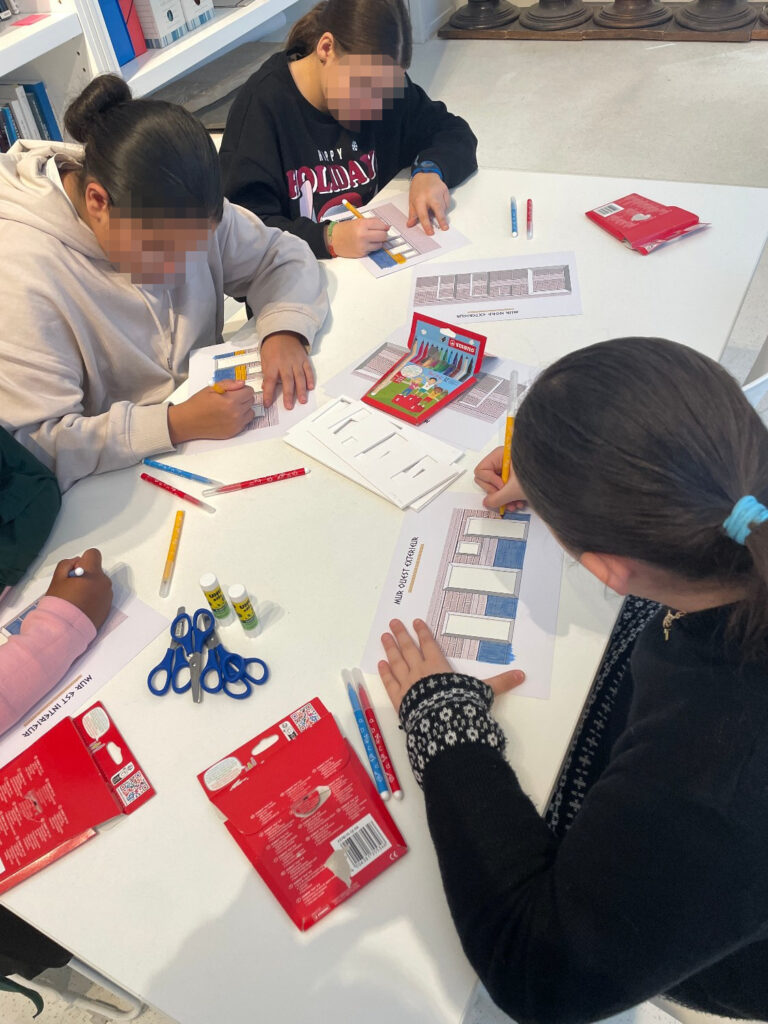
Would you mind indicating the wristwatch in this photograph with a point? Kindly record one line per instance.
(426, 166)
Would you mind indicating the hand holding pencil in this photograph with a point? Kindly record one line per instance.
(488, 476)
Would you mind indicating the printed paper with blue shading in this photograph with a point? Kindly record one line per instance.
(487, 586)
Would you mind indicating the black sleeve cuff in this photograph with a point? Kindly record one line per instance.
(444, 711)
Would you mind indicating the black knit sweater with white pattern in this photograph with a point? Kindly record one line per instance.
(661, 883)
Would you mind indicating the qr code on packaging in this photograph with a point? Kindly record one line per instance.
(132, 788)
(305, 717)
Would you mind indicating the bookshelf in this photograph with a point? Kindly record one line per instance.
(228, 26)
(20, 45)
(71, 45)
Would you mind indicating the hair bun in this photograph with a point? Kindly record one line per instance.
(99, 96)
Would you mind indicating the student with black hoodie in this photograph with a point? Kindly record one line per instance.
(335, 117)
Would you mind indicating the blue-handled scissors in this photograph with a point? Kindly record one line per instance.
(164, 675)
(193, 632)
(232, 673)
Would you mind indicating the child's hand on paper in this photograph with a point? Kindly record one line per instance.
(284, 358)
(91, 592)
(212, 413)
(408, 662)
(428, 197)
(488, 476)
(358, 237)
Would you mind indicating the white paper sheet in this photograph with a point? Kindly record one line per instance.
(273, 422)
(509, 288)
(471, 421)
(130, 626)
(487, 587)
(412, 243)
(314, 437)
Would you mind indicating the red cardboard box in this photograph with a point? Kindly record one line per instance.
(302, 808)
(644, 225)
(52, 796)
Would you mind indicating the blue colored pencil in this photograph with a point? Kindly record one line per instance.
(362, 725)
(181, 472)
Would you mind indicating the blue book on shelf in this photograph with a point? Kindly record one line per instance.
(9, 124)
(41, 106)
(118, 33)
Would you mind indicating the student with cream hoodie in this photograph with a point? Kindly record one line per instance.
(119, 253)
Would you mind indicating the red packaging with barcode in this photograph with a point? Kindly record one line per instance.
(643, 224)
(305, 812)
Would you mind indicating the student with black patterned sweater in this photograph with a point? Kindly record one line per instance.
(661, 883)
(335, 117)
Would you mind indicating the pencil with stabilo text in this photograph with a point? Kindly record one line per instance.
(375, 731)
(506, 463)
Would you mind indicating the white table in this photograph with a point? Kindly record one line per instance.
(165, 902)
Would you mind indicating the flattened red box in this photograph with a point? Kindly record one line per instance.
(305, 812)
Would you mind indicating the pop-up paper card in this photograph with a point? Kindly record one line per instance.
(441, 363)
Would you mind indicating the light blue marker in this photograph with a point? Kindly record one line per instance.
(513, 215)
(362, 725)
(180, 472)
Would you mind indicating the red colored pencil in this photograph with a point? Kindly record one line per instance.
(378, 739)
(243, 484)
(177, 492)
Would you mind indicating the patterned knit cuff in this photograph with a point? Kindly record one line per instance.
(443, 711)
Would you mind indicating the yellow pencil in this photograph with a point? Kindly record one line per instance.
(506, 463)
(396, 256)
(173, 550)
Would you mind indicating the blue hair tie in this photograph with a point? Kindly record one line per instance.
(747, 512)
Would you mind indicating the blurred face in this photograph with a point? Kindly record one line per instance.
(360, 87)
(153, 250)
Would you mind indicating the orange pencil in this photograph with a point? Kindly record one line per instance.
(512, 403)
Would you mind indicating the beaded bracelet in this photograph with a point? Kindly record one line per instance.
(328, 243)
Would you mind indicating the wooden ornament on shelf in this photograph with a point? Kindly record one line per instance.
(715, 15)
(632, 14)
(484, 14)
(552, 15)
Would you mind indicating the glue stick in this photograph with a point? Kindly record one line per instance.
(214, 595)
(238, 595)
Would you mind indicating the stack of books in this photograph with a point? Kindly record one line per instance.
(135, 26)
(26, 113)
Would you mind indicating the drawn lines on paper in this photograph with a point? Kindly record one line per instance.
(486, 400)
(474, 605)
(492, 285)
(408, 242)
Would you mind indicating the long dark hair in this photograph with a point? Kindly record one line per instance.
(640, 447)
(152, 158)
(357, 26)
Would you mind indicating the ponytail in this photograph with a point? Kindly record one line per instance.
(152, 158)
(641, 447)
(380, 27)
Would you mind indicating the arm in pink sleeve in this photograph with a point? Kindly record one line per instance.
(34, 660)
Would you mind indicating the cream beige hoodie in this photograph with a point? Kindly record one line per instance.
(86, 362)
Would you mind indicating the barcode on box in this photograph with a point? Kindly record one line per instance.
(362, 843)
(608, 209)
